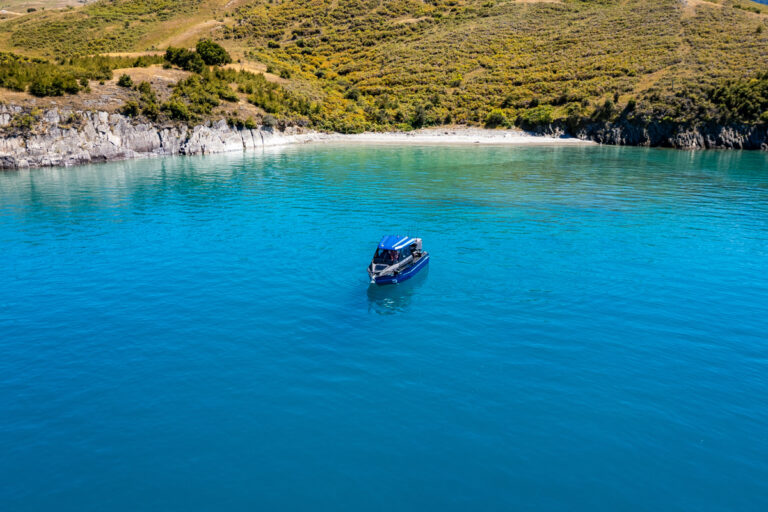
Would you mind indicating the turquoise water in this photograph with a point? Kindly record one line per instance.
(199, 333)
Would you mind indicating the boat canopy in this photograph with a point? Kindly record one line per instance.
(395, 242)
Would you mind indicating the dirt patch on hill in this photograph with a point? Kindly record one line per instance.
(155, 75)
(690, 6)
(133, 54)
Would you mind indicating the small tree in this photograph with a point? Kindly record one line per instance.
(353, 93)
(213, 54)
(130, 109)
(269, 121)
(125, 81)
(145, 88)
(495, 118)
(177, 110)
(185, 59)
(420, 117)
(56, 85)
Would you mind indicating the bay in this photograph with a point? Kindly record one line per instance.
(199, 333)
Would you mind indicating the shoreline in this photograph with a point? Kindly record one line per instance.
(64, 138)
(61, 138)
(458, 135)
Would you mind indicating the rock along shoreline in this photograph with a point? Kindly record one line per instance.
(70, 137)
(67, 138)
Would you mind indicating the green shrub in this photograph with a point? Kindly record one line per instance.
(144, 88)
(212, 53)
(130, 109)
(495, 118)
(185, 59)
(235, 122)
(605, 112)
(125, 81)
(24, 121)
(177, 110)
(44, 78)
(420, 117)
(269, 121)
(742, 100)
(57, 85)
(353, 93)
(535, 117)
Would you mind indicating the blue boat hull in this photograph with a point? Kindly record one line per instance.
(404, 276)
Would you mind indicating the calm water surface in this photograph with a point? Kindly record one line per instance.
(199, 333)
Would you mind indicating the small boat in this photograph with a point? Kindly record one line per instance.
(397, 259)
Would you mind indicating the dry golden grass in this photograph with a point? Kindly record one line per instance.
(183, 33)
(21, 6)
(258, 68)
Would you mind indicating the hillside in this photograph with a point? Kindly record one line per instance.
(353, 65)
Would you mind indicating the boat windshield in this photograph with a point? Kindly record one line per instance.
(386, 256)
(390, 256)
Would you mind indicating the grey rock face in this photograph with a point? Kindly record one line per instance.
(670, 135)
(677, 136)
(73, 137)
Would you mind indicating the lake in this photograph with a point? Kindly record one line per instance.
(200, 334)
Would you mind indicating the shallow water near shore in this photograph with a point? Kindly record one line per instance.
(199, 333)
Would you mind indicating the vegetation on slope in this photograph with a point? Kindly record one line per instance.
(99, 27)
(509, 62)
(41, 77)
(353, 65)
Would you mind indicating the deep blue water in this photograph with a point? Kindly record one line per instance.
(199, 333)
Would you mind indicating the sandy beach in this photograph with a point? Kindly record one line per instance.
(452, 135)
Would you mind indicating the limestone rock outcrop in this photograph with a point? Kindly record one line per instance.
(65, 138)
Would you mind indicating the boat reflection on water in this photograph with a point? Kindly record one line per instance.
(392, 299)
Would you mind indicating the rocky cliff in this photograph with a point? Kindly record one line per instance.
(58, 137)
(662, 134)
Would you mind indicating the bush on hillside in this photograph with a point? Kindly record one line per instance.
(534, 117)
(130, 109)
(743, 100)
(68, 76)
(177, 110)
(212, 53)
(495, 118)
(185, 59)
(43, 85)
(125, 81)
